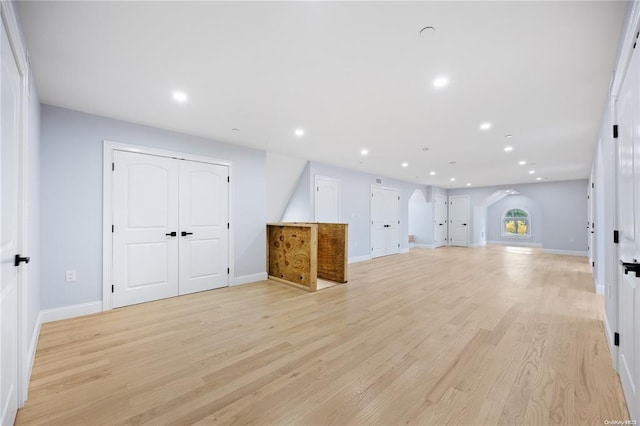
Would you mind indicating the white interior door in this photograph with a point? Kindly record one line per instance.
(385, 213)
(327, 200)
(459, 220)
(10, 107)
(204, 226)
(440, 222)
(628, 182)
(145, 239)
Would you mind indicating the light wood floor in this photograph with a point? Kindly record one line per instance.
(450, 336)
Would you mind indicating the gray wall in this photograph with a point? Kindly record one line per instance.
(71, 198)
(298, 208)
(563, 211)
(421, 218)
(517, 201)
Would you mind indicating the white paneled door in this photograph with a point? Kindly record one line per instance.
(628, 194)
(170, 234)
(10, 106)
(459, 220)
(204, 224)
(327, 200)
(145, 219)
(385, 220)
(440, 222)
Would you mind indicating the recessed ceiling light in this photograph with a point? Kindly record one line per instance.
(179, 96)
(452, 162)
(452, 179)
(364, 152)
(441, 82)
(508, 136)
(531, 172)
(485, 126)
(538, 178)
(432, 173)
(299, 132)
(405, 164)
(468, 184)
(235, 129)
(508, 148)
(425, 149)
(522, 163)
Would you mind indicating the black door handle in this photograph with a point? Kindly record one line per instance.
(631, 267)
(19, 259)
(172, 234)
(464, 224)
(441, 224)
(185, 233)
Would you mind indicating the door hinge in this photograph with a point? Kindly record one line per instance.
(228, 179)
(593, 185)
(616, 237)
(228, 271)
(317, 189)
(615, 131)
(113, 288)
(593, 264)
(398, 198)
(398, 244)
(616, 339)
(113, 167)
(113, 228)
(227, 225)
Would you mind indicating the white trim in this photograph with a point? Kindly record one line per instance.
(107, 211)
(608, 333)
(403, 250)
(248, 279)
(515, 243)
(566, 252)
(33, 346)
(378, 186)
(66, 312)
(358, 259)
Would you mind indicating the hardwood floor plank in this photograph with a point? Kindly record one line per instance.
(514, 337)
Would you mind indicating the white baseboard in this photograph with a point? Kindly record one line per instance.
(66, 312)
(613, 349)
(31, 352)
(246, 279)
(357, 259)
(482, 244)
(515, 244)
(566, 252)
(404, 250)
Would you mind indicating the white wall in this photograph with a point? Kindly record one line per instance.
(298, 208)
(283, 172)
(420, 218)
(71, 198)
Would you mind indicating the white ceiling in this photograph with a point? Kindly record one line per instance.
(354, 75)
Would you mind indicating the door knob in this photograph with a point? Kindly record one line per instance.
(19, 259)
(185, 233)
(631, 267)
(464, 224)
(171, 234)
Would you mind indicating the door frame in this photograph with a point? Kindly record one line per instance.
(10, 23)
(449, 197)
(315, 204)
(373, 185)
(107, 206)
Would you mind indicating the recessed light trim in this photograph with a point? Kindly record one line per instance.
(485, 126)
(508, 136)
(405, 164)
(364, 152)
(538, 178)
(532, 172)
(179, 96)
(452, 179)
(468, 184)
(299, 132)
(440, 82)
(508, 148)
(432, 173)
(522, 163)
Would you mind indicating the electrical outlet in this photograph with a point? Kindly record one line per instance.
(70, 276)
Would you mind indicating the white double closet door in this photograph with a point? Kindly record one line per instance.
(171, 227)
(385, 221)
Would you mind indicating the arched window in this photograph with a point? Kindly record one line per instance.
(516, 223)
